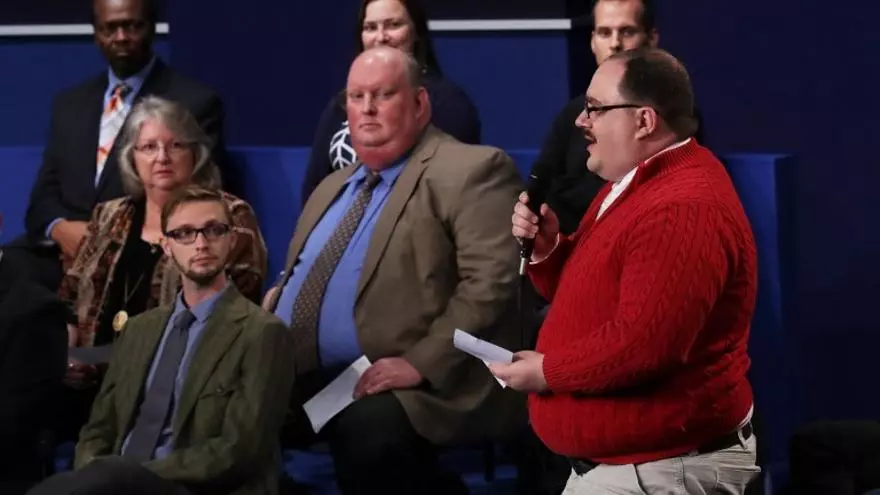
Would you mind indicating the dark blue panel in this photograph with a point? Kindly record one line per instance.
(276, 63)
(763, 182)
(18, 167)
(47, 11)
(34, 70)
(516, 101)
(272, 181)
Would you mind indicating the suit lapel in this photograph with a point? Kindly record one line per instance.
(221, 330)
(144, 337)
(157, 83)
(317, 205)
(91, 115)
(400, 195)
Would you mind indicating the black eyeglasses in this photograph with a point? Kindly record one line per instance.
(188, 235)
(604, 108)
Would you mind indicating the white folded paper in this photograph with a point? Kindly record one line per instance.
(336, 396)
(482, 350)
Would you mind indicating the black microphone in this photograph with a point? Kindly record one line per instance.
(537, 190)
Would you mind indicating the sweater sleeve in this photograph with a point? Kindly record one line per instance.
(545, 274)
(319, 158)
(453, 112)
(673, 269)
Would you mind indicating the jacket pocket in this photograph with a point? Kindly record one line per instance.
(220, 389)
(212, 405)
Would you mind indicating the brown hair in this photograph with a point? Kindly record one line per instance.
(655, 78)
(193, 194)
(423, 49)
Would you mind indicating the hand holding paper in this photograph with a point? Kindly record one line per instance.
(335, 397)
(481, 349)
(524, 374)
(485, 351)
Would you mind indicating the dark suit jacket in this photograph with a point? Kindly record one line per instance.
(65, 186)
(234, 399)
(33, 356)
(441, 257)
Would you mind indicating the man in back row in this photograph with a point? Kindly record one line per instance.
(79, 166)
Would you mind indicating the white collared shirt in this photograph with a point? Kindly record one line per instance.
(618, 187)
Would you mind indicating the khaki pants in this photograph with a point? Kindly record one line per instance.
(724, 472)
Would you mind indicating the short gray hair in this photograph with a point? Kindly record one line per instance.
(183, 125)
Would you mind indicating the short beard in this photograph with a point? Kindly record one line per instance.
(201, 279)
(205, 279)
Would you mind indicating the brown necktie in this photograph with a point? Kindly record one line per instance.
(307, 306)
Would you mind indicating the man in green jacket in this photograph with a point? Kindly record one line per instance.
(196, 393)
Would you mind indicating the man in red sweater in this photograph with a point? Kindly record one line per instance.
(640, 371)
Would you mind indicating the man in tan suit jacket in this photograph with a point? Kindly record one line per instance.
(389, 269)
(195, 395)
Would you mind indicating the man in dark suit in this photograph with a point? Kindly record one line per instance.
(33, 353)
(79, 166)
(196, 392)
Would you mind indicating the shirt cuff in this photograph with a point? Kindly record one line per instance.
(556, 245)
(50, 227)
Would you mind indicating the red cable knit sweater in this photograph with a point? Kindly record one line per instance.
(645, 341)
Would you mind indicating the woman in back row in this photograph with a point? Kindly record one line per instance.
(402, 24)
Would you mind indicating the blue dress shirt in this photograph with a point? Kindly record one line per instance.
(338, 344)
(201, 311)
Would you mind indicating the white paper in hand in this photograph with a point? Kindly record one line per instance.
(336, 396)
(486, 352)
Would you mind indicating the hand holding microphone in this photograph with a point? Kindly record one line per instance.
(534, 224)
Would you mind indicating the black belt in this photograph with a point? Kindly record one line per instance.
(583, 466)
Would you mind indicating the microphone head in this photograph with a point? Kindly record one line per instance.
(537, 191)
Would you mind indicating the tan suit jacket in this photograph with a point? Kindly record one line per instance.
(231, 409)
(441, 257)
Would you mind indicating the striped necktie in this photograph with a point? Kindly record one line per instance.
(307, 306)
(111, 122)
